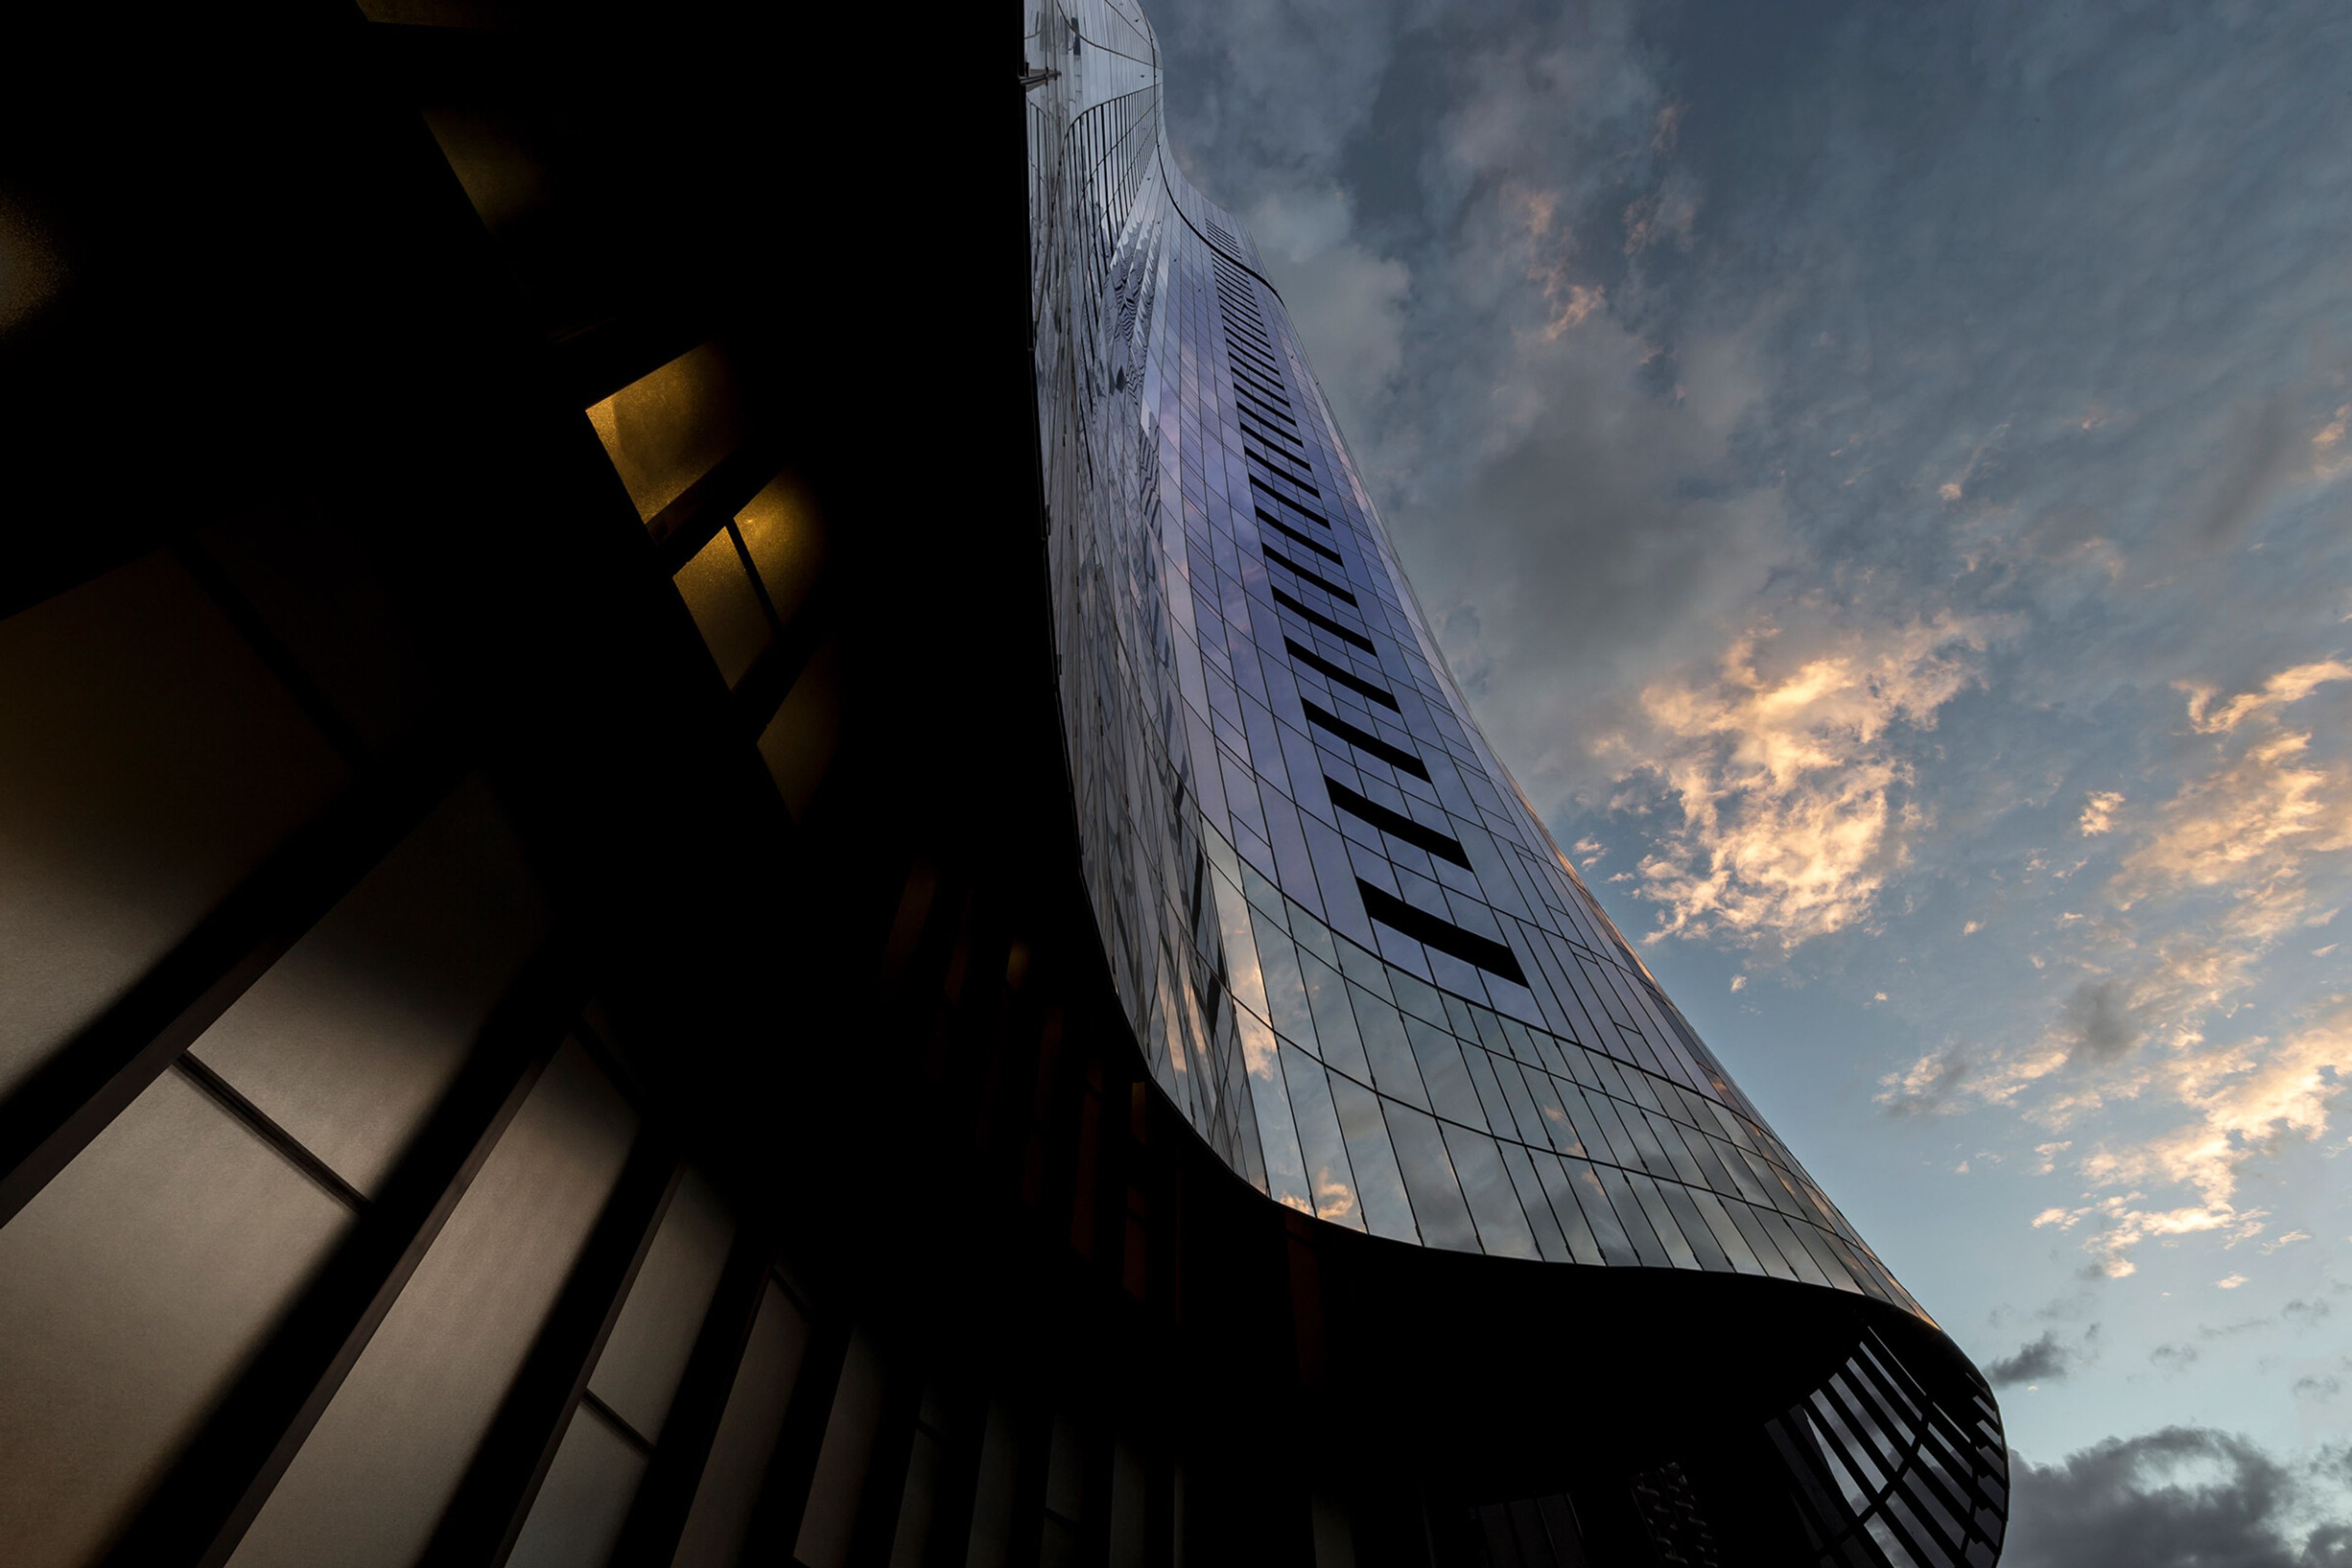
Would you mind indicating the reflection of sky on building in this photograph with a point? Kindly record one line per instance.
(1355, 957)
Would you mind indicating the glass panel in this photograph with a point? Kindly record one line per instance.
(1335, 1022)
(370, 1483)
(1379, 1183)
(781, 529)
(131, 1290)
(1501, 1228)
(1329, 1178)
(666, 430)
(1391, 1054)
(1450, 1093)
(912, 1533)
(1549, 1241)
(839, 1481)
(1429, 1177)
(150, 764)
(717, 593)
(351, 1039)
(577, 1517)
(646, 1352)
(1285, 1167)
(745, 1441)
(799, 742)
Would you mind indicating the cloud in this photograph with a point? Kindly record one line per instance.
(2248, 822)
(1345, 299)
(2099, 1019)
(2304, 1313)
(1787, 779)
(2249, 1100)
(2288, 685)
(2037, 1361)
(2099, 812)
(1709, 413)
(2246, 851)
(2184, 1496)
(2173, 1358)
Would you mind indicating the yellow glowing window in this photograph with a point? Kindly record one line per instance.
(780, 529)
(726, 610)
(799, 741)
(666, 430)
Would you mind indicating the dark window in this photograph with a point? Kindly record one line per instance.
(1442, 845)
(1315, 618)
(1301, 510)
(1264, 427)
(1365, 740)
(1282, 473)
(1285, 529)
(1346, 678)
(1443, 935)
(1303, 575)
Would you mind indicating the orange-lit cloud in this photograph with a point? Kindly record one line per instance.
(2239, 858)
(1788, 773)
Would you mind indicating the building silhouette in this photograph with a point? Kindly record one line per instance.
(729, 840)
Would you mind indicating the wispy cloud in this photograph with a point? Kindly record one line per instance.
(2241, 854)
(1787, 777)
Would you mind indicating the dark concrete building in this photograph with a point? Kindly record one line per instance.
(727, 839)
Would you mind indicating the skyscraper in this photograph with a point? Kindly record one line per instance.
(705, 865)
(1352, 953)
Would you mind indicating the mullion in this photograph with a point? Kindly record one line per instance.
(683, 527)
(1297, 506)
(1236, 342)
(1283, 474)
(264, 1127)
(1396, 822)
(1293, 534)
(1295, 469)
(1241, 354)
(1344, 676)
(792, 1468)
(1317, 618)
(658, 1515)
(78, 1092)
(1833, 1520)
(1249, 333)
(1266, 427)
(1299, 460)
(1305, 575)
(486, 1517)
(1266, 399)
(875, 1533)
(217, 1487)
(620, 1424)
(1266, 391)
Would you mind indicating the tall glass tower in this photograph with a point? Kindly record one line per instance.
(1353, 955)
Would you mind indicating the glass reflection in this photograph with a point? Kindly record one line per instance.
(1260, 731)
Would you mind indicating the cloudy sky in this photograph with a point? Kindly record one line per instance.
(1883, 473)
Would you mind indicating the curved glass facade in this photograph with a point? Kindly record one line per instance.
(1355, 957)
